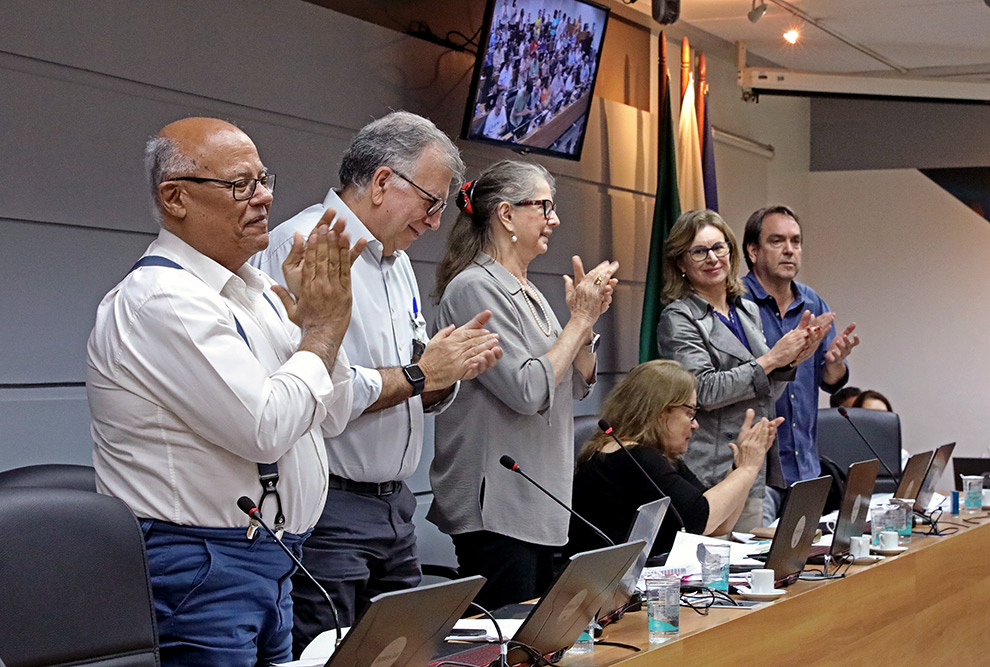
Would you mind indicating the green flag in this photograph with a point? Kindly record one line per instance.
(666, 210)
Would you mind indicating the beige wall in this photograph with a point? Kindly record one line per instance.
(906, 261)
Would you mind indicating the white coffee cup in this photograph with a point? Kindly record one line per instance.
(761, 581)
(888, 539)
(986, 497)
(859, 546)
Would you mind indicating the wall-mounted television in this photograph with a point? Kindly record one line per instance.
(535, 75)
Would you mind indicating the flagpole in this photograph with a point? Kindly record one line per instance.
(685, 67)
(700, 100)
(661, 76)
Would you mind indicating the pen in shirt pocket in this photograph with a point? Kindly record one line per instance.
(418, 345)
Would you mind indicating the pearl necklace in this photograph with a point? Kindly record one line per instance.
(529, 302)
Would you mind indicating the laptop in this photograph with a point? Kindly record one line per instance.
(585, 586)
(854, 512)
(914, 475)
(796, 529)
(395, 630)
(644, 529)
(940, 460)
(962, 465)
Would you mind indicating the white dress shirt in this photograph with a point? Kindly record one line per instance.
(184, 410)
(386, 316)
(495, 124)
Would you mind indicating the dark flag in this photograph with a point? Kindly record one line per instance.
(666, 210)
(708, 160)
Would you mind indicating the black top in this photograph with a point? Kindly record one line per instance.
(609, 488)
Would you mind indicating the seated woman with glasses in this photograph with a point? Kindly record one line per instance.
(718, 336)
(652, 412)
(502, 527)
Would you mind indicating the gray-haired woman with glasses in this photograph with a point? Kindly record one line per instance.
(502, 527)
(716, 334)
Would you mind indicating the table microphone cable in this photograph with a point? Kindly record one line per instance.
(503, 643)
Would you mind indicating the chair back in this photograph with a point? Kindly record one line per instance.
(838, 441)
(52, 476)
(75, 579)
(585, 427)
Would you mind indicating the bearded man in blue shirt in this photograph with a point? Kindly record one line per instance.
(772, 243)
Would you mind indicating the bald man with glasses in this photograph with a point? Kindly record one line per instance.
(205, 384)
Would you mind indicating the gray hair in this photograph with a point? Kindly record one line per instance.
(397, 141)
(505, 181)
(163, 160)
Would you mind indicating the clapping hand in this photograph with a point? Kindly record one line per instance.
(755, 440)
(460, 353)
(842, 345)
(817, 328)
(588, 295)
(318, 274)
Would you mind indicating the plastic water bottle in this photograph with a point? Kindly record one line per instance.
(586, 642)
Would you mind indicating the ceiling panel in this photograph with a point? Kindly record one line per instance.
(914, 34)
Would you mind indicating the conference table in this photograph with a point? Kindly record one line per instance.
(928, 606)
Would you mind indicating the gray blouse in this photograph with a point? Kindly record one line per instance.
(729, 382)
(514, 408)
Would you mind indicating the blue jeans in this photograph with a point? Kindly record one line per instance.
(220, 599)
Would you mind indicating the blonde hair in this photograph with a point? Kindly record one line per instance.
(634, 406)
(675, 284)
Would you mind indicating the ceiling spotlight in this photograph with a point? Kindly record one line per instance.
(757, 12)
(792, 36)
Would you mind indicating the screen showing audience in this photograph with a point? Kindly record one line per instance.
(535, 75)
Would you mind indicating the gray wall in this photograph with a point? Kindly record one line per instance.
(853, 134)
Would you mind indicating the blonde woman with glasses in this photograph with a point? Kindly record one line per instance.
(652, 413)
(718, 336)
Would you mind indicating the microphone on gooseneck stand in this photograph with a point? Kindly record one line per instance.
(844, 413)
(607, 429)
(510, 463)
(247, 506)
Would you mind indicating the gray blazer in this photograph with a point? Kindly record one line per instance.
(516, 408)
(729, 382)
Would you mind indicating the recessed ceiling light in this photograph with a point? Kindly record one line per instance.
(792, 36)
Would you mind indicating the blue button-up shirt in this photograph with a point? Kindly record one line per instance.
(798, 405)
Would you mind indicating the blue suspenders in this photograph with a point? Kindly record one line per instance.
(267, 472)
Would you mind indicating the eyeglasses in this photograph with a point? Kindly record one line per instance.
(692, 410)
(700, 253)
(242, 189)
(549, 205)
(437, 205)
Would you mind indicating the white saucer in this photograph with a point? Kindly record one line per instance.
(867, 560)
(747, 594)
(888, 552)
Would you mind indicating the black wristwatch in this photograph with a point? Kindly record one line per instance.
(416, 378)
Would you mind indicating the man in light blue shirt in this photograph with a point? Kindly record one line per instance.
(395, 178)
(772, 243)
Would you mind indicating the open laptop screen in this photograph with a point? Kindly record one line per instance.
(796, 529)
(935, 469)
(855, 509)
(914, 475)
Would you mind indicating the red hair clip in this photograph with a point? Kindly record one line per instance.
(464, 198)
